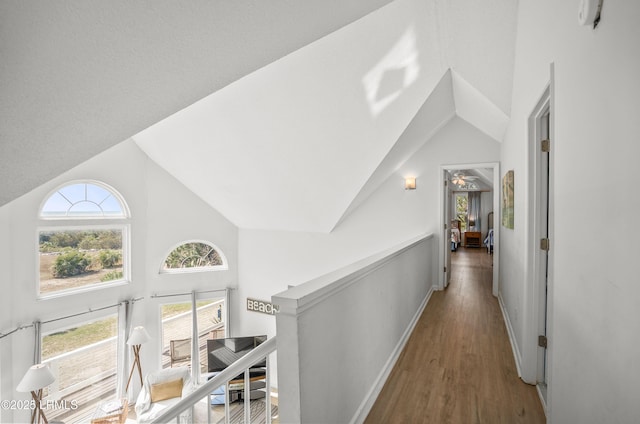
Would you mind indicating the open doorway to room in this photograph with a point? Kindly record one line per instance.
(470, 199)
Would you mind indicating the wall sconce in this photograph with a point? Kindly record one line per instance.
(410, 183)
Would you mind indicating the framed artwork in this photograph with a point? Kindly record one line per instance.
(507, 200)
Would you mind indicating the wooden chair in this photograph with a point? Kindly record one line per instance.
(180, 351)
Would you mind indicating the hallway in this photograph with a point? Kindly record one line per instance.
(458, 366)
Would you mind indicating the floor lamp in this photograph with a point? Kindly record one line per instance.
(35, 380)
(138, 337)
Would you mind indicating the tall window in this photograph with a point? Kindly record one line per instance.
(177, 327)
(82, 239)
(83, 360)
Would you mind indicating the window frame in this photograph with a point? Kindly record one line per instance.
(85, 223)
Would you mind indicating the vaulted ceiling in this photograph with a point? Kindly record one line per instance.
(281, 115)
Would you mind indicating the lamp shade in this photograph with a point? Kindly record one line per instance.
(138, 336)
(37, 377)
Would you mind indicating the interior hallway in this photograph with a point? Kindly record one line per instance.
(458, 366)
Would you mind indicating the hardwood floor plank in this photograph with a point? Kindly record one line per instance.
(458, 366)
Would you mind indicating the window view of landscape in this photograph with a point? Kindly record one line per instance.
(192, 255)
(462, 207)
(83, 360)
(177, 327)
(77, 258)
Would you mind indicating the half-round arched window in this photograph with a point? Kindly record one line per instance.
(84, 200)
(194, 256)
(82, 239)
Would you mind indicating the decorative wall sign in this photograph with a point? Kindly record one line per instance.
(507, 200)
(262, 306)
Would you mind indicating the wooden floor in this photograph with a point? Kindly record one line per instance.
(458, 366)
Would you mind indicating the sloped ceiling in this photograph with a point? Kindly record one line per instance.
(281, 115)
(300, 143)
(79, 76)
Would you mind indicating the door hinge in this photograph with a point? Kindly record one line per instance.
(445, 226)
(545, 145)
(542, 341)
(544, 244)
(445, 269)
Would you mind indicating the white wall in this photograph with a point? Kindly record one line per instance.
(594, 291)
(163, 213)
(340, 334)
(270, 260)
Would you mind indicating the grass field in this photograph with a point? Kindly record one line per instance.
(83, 335)
(74, 338)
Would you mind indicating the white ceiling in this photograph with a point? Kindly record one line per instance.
(79, 76)
(277, 124)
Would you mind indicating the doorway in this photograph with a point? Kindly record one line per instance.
(541, 148)
(465, 178)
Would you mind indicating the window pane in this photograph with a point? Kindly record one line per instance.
(82, 200)
(176, 334)
(71, 259)
(177, 322)
(210, 326)
(83, 360)
(193, 255)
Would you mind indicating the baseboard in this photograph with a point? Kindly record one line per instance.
(366, 405)
(512, 336)
(543, 401)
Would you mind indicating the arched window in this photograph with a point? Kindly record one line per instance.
(194, 256)
(82, 239)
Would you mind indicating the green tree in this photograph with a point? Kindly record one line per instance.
(190, 255)
(462, 207)
(109, 258)
(70, 263)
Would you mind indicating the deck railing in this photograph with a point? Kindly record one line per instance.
(99, 358)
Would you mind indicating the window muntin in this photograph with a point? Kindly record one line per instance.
(83, 200)
(82, 241)
(194, 256)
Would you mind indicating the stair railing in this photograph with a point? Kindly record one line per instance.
(242, 365)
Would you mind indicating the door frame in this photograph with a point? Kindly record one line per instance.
(444, 225)
(534, 264)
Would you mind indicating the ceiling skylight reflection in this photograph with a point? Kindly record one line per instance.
(395, 72)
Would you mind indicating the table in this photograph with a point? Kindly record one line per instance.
(111, 412)
(472, 239)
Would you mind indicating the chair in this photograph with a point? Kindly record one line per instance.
(162, 389)
(180, 351)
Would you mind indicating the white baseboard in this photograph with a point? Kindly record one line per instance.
(512, 336)
(366, 405)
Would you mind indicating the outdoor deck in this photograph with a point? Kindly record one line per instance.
(101, 389)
